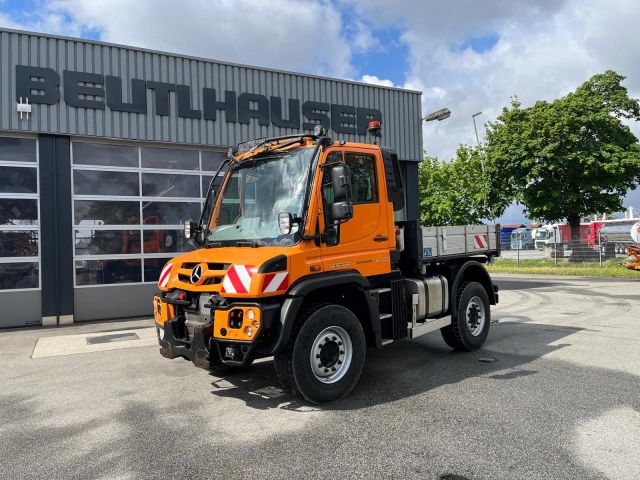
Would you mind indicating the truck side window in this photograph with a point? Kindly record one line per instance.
(364, 187)
(230, 208)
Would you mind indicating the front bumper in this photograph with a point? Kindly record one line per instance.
(172, 346)
(210, 339)
(200, 347)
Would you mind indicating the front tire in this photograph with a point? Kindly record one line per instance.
(470, 327)
(325, 355)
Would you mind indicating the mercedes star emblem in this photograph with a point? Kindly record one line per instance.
(196, 274)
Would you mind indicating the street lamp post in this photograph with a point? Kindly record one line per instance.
(478, 138)
(475, 127)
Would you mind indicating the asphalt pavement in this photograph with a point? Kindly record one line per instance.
(555, 393)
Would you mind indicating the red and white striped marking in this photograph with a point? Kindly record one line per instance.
(274, 282)
(164, 275)
(482, 241)
(238, 279)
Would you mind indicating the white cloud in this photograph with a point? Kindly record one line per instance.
(373, 80)
(362, 37)
(7, 22)
(544, 50)
(45, 21)
(298, 35)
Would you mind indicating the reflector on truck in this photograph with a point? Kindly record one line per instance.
(238, 279)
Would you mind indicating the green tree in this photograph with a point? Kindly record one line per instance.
(457, 192)
(568, 158)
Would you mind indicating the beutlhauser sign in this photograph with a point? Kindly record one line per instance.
(96, 91)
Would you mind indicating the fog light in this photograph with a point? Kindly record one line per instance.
(251, 314)
(248, 331)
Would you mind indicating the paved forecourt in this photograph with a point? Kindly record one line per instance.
(553, 394)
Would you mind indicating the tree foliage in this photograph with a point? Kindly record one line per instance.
(457, 192)
(568, 158)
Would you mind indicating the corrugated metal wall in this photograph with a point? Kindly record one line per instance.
(400, 109)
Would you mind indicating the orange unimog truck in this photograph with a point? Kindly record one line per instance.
(305, 254)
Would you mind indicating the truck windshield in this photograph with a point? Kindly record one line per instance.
(256, 191)
(542, 234)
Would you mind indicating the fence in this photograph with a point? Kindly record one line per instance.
(526, 251)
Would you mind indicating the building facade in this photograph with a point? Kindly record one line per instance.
(105, 151)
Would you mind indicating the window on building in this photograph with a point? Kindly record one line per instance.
(130, 203)
(19, 214)
(170, 158)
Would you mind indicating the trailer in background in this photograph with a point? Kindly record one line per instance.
(593, 235)
(522, 239)
(617, 235)
(505, 234)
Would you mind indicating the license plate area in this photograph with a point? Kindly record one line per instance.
(194, 317)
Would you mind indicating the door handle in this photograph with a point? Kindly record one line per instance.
(380, 238)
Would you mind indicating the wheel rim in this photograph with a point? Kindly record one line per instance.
(475, 316)
(331, 354)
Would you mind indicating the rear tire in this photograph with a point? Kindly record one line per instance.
(470, 327)
(325, 354)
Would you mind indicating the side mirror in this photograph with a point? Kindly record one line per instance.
(331, 236)
(341, 208)
(285, 222)
(341, 211)
(193, 231)
(341, 183)
(189, 229)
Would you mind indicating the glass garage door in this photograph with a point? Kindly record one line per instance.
(129, 206)
(19, 230)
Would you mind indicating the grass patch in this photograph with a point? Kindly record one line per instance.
(544, 266)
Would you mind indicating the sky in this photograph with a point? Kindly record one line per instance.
(467, 55)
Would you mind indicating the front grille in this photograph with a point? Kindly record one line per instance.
(185, 274)
(211, 266)
(218, 266)
(209, 281)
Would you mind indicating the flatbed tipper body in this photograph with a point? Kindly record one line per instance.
(429, 244)
(305, 254)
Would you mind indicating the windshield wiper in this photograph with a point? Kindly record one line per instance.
(247, 244)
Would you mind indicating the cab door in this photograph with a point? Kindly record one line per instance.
(364, 240)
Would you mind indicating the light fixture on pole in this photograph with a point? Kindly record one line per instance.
(439, 115)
